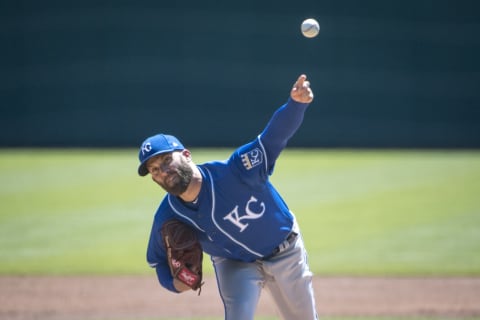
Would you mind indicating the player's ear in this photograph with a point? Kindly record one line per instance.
(187, 154)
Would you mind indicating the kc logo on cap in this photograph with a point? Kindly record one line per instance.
(155, 145)
(146, 148)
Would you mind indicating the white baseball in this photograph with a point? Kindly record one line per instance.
(310, 28)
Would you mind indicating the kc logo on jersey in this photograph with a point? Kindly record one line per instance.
(250, 213)
(252, 158)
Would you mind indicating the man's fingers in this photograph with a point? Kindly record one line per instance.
(299, 83)
(301, 91)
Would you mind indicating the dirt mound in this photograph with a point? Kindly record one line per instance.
(134, 297)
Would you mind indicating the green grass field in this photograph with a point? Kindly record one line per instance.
(361, 212)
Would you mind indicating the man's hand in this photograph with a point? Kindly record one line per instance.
(301, 91)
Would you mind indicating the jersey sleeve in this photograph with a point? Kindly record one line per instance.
(250, 163)
(254, 161)
(165, 278)
(282, 126)
(157, 256)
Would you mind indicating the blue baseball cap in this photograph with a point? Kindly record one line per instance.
(155, 145)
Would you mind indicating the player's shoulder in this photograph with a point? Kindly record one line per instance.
(247, 163)
(215, 168)
(164, 211)
(250, 157)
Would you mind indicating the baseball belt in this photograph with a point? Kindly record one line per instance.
(291, 237)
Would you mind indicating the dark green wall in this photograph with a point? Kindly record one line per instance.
(110, 73)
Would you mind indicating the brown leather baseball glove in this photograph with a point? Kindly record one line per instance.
(184, 253)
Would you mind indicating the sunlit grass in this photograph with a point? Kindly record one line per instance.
(361, 212)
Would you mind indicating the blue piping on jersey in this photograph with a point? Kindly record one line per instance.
(264, 152)
(218, 226)
(181, 215)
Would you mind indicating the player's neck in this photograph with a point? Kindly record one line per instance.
(193, 190)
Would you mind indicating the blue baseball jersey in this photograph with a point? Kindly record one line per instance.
(239, 214)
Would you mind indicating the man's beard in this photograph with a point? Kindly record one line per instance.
(182, 176)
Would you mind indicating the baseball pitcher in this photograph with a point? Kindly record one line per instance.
(230, 210)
